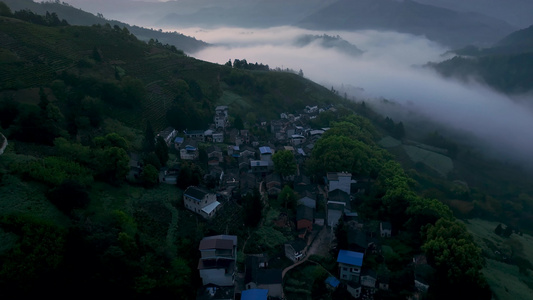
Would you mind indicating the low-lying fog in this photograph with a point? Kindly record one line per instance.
(389, 68)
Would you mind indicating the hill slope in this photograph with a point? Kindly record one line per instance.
(76, 16)
(507, 66)
(445, 26)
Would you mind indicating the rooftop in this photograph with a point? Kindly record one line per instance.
(350, 258)
(265, 150)
(207, 244)
(332, 281)
(196, 193)
(254, 294)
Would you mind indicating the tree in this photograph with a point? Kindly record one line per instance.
(450, 249)
(149, 138)
(150, 176)
(70, 195)
(284, 163)
(189, 175)
(253, 208)
(341, 234)
(113, 164)
(423, 211)
(287, 197)
(5, 10)
(161, 150)
(498, 230)
(237, 123)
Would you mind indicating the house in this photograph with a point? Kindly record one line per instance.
(217, 261)
(168, 134)
(247, 151)
(357, 240)
(247, 184)
(266, 153)
(383, 282)
(304, 220)
(259, 166)
(297, 139)
(273, 184)
(338, 204)
(385, 229)
(261, 278)
(350, 263)
(306, 201)
(178, 141)
(339, 180)
(295, 250)
(334, 213)
(254, 294)
(196, 135)
(201, 202)
(221, 117)
(218, 137)
(332, 282)
(368, 279)
(189, 153)
(215, 292)
(354, 288)
(214, 155)
(423, 272)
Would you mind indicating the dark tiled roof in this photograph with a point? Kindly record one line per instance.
(269, 276)
(304, 213)
(215, 244)
(196, 192)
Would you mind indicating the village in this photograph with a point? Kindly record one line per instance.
(239, 163)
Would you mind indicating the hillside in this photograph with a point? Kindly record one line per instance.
(506, 66)
(442, 25)
(206, 13)
(75, 16)
(81, 114)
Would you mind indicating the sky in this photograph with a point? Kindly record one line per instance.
(389, 68)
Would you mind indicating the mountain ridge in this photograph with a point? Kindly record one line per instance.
(454, 29)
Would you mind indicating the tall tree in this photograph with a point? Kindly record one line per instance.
(161, 150)
(149, 138)
(284, 163)
(457, 260)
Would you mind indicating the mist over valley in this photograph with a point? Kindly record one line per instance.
(196, 149)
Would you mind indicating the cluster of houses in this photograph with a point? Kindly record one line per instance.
(242, 165)
(218, 270)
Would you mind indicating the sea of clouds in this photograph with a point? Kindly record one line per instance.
(390, 68)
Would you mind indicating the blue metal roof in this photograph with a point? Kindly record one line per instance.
(265, 150)
(254, 294)
(334, 282)
(178, 140)
(350, 258)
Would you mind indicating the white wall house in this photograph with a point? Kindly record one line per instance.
(201, 202)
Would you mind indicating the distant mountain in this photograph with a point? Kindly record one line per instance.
(327, 41)
(515, 12)
(448, 27)
(75, 16)
(506, 67)
(240, 13)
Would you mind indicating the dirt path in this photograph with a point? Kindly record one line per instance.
(317, 243)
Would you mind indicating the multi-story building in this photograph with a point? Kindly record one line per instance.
(217, 264)
(350, 264)
(201, 201)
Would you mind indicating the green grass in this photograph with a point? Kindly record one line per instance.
(389, 142)
(438, 162)
(505, 280)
